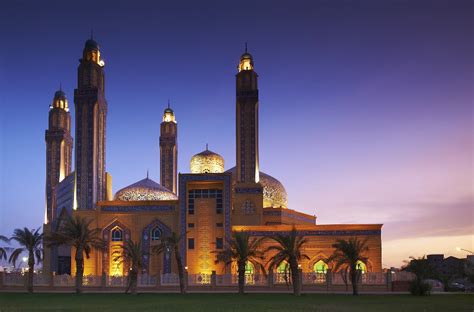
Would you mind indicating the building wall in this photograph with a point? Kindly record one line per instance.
(133, 218)
(320, 239)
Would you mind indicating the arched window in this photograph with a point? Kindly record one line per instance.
(361, 266)
(283, 267)
(117, 235)
(249, 268)
(156, 234)
(320, 267)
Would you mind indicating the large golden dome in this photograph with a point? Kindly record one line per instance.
(274, 193)
(207, 162)
(145, 189)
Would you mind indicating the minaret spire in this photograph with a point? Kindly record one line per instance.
(169, 150)
(207, 147)
(245, 46)
(147, 174)
(92, 34)
(60, 86)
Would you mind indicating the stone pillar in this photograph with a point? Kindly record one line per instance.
(389, 280)
(213, 279)
(51, 278)
(328, 279)
(270, 279)
(186, 279)
(2, 276)
(158, 280)
(103, 280)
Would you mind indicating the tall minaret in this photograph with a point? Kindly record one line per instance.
(248, 192)
(247, 121)
(169, 150)
(58, 148)
(91, 112)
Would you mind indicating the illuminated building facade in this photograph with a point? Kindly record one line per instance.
(203, 206)
(58, 148)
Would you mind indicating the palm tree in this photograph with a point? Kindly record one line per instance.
(241, 249)
(170, 244)
(30, 242)
(76, 232)
(348, 253)
(3, 250)
(132, 253)
(289, 250)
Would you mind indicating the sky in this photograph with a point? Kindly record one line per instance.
(366, 107)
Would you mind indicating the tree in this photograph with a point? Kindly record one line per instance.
(289, 250)
(31, 242)
(242, 249)
(3, 250)
(131, 253)
(422, 271)
(170, 244)
(348, 253)
(76, 232)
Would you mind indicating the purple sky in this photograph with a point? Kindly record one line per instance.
(365, 106)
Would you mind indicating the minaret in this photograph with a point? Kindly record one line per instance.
(58, 148)
(169, 150)
(248, 192)
(91, 112)
(247, 121)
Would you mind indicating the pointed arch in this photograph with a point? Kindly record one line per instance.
(146, 240)
(107, 237)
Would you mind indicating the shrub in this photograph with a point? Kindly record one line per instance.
(420, 288)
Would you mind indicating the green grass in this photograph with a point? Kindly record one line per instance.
(232, 302)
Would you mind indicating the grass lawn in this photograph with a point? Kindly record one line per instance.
(232, 302)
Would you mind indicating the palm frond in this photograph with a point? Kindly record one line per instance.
(14, 255)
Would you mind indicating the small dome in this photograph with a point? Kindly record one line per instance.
(246, 56)
(274, 193)
(246, 61)
(144, 190)
(207, 162)
(91, 45)
(59, 94)
(168, 115)
(60, 101)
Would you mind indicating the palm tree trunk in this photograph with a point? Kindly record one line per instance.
(31, 271)
(241, 272)
(179, 262)
(133, 281)
(79, 271)
(354, 281)
(295, 277)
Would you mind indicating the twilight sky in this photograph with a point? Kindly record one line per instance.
(365, 106)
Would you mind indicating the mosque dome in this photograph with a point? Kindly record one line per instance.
(207, 162)
(274, 193)
(144, 190)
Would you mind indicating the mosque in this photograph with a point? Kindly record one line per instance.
(204, 205)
